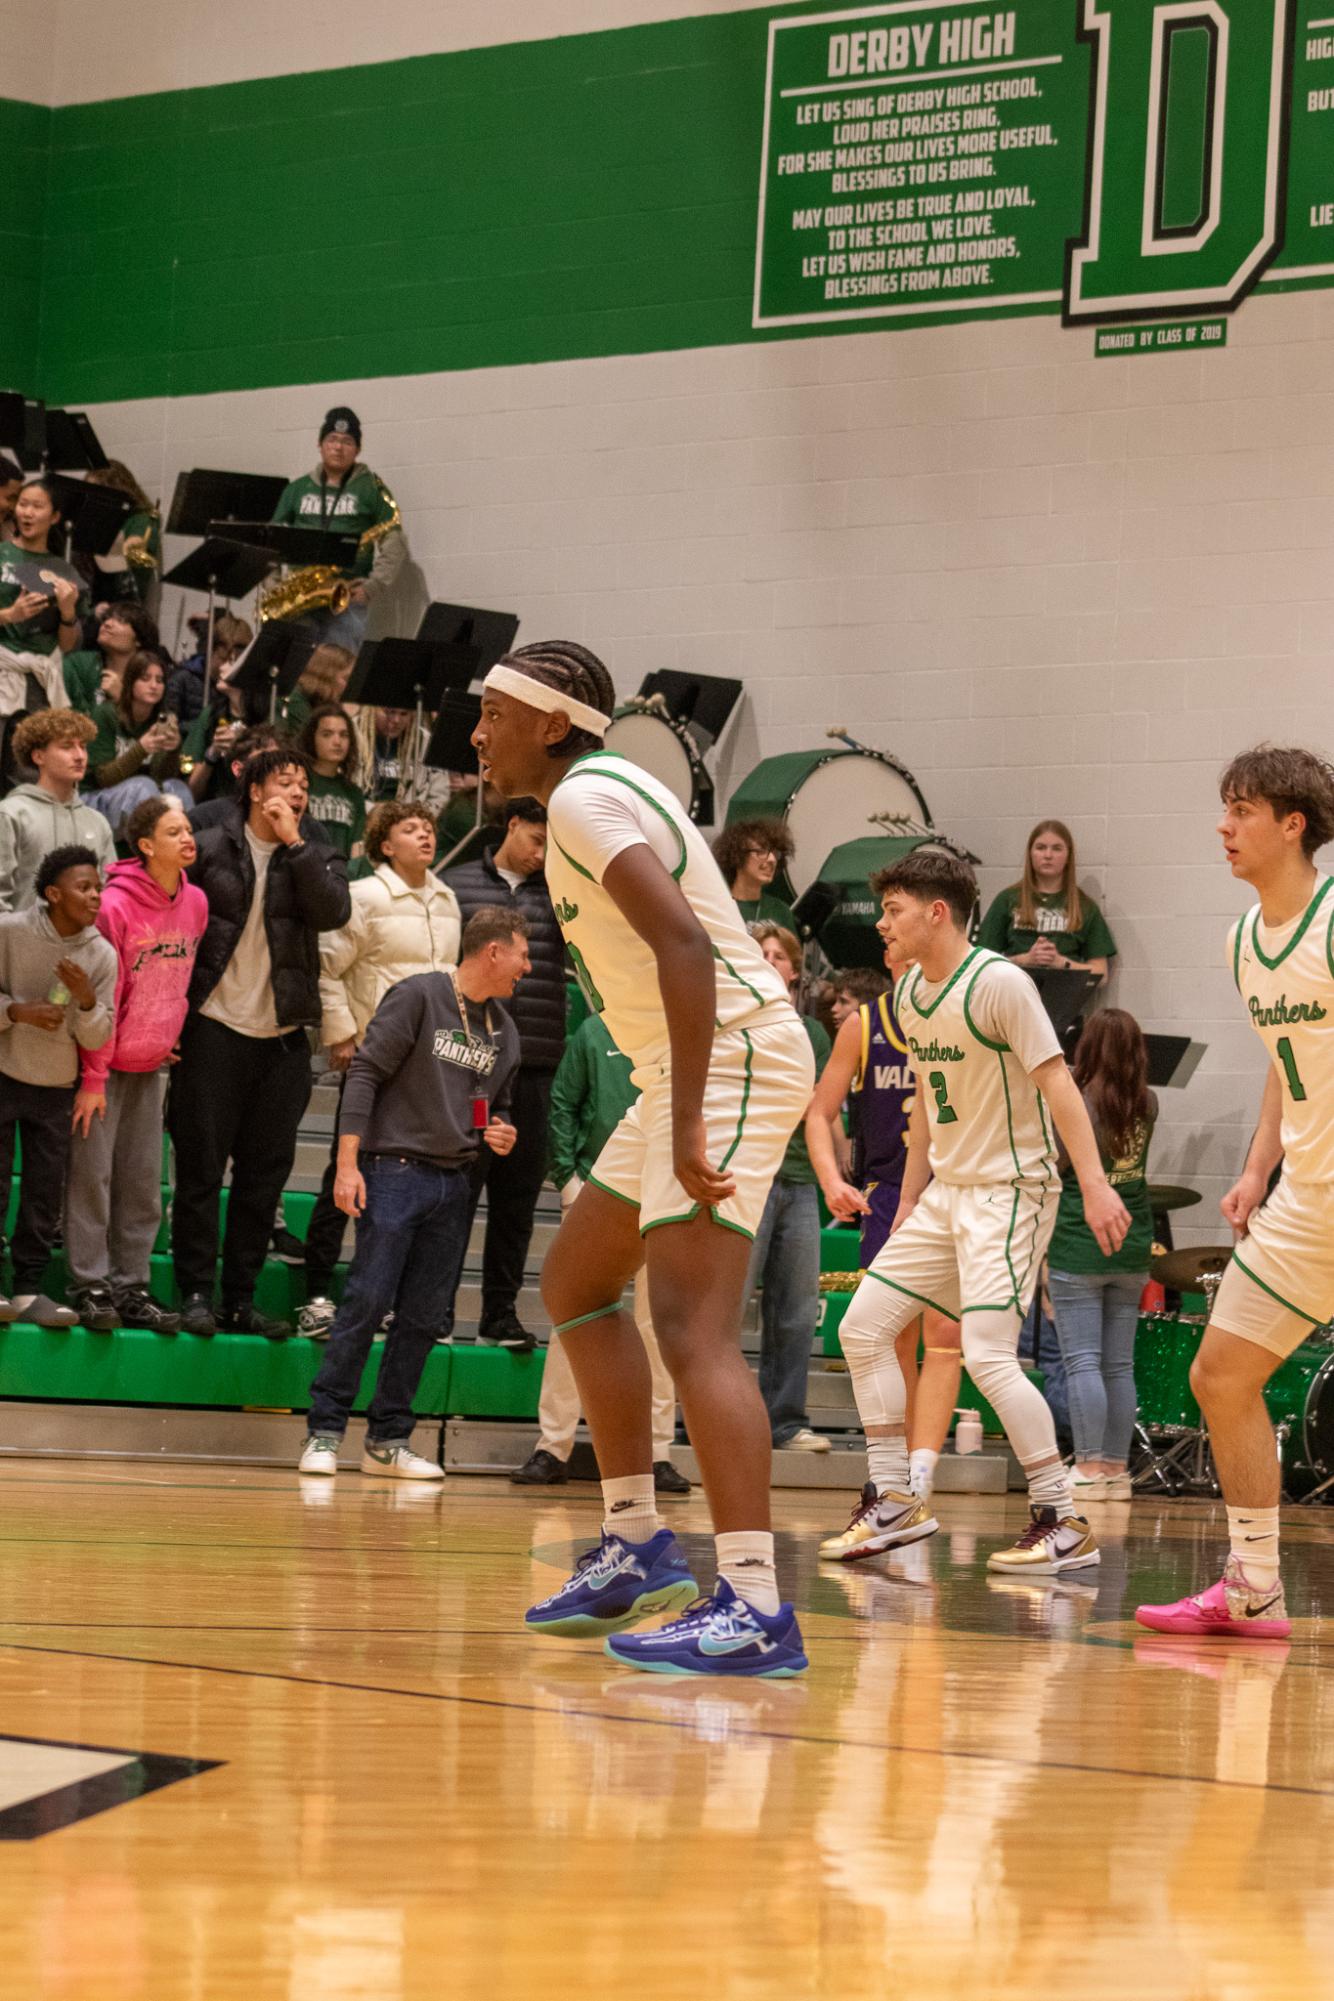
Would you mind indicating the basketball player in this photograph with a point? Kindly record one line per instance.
(725, 1071)
(870, 1062)
(971, 1242)
(1278, 810)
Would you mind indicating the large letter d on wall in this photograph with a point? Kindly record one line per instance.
(1186, 155)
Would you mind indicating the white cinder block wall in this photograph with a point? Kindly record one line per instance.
(1052, 585)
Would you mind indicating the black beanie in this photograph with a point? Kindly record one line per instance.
(342, 419)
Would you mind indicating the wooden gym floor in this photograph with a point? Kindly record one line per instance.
(268, 1743)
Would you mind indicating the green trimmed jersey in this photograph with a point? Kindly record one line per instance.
(602, 806)
(1286, 978)
(974, 1041)
(350, 509)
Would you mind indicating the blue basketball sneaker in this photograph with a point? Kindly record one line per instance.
(615, 1584)
(718, 1635)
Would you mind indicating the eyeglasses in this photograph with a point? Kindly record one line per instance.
(767, 848)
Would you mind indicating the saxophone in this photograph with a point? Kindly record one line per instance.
(320, 587)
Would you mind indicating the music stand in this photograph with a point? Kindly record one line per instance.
(203, 497)
(23, 427)
(274, 660)
(72, 443)
(451, 749)
(407, 674)
(489, 633)
(93, 516)
(223, 569)
(1064, 994)
(293, 545)
(1173, 1060)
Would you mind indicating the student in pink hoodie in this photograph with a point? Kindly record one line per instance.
(154, 919)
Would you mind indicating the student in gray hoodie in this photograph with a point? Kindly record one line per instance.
(57, 995)
(47, 814)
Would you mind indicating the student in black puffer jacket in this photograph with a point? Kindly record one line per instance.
(243, 1080)
(511, 874)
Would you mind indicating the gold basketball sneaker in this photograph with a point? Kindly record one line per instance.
(1051, 1543)
(880, 1522)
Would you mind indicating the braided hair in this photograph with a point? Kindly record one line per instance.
(571, 669)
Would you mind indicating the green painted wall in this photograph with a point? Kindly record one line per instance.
(25, 146)
(590, 195)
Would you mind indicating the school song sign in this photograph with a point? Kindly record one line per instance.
(1108, 159)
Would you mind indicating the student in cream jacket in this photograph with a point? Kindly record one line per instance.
(404, 921)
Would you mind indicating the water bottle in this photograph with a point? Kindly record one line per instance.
(968, 1431)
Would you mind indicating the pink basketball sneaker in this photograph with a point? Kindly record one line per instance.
(1230, 1608)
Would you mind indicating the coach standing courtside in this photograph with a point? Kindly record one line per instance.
(511, 876)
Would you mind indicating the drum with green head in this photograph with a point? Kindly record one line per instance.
(828, 798)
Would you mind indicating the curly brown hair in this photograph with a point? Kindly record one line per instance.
(47, 726)
(1288, 780)
(737, 841)
(391, 813)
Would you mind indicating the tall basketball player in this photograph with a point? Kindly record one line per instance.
(1278, 811)
(725, 1071)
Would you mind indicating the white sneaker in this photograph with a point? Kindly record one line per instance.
(319, 1454)
(316, 1318)
(1117, 1487)
(1087, 1486)
(805, 1440)
(398, 1462)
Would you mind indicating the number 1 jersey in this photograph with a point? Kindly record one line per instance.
(1286, 978)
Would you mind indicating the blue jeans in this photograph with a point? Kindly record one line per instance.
(786, 1262)
(410, 1241)
(1096, 1316)
(339, 628)
(116, 802)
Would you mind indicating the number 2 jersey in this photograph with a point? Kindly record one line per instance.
(974, 1040)
(602, 806)
(1286, 978)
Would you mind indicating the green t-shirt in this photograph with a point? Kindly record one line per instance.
(112, 741)
(766, 908)
(359, 504)
(20, 570)
(340, 809)
(796, 1165)
(83, 680)
(1073, 1245)
(1000, 932)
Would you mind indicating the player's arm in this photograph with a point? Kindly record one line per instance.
(1104, 1211)
(917, 1166)
(1262, 1157)
(652, 904)
(832, 1087)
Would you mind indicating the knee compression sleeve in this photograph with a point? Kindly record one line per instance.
(869, 1329)
(990, 1353)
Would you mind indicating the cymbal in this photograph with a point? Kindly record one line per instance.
(1164, 1195)
(1186, 1269)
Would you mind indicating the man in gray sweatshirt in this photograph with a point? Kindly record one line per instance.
(57, 995)
(424, 1092)
(37, 818)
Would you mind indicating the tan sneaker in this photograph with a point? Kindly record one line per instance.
(880, 1522)
(1051, 1543)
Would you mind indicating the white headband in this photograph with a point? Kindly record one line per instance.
(538, 695)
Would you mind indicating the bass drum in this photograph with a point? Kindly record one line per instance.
(666, 750)
(1300, 1399)
(826, 797)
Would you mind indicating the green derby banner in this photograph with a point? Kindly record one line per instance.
(1107, 159)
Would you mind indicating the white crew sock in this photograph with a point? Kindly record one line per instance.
(887, 1463)
(630, 1509)
(746, 1560)
(1050, 1488)
(922, 1470)
(1253, 1535)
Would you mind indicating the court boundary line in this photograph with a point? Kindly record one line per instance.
(817, 1739)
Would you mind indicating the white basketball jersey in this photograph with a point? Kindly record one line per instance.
(602, 806)
(1286, 978)
(973, 1042)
